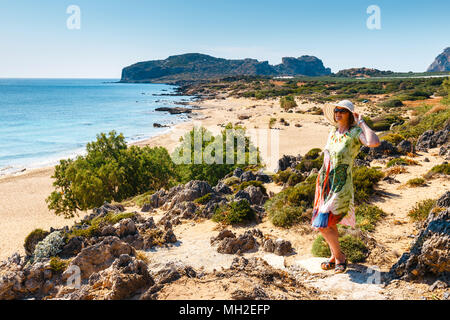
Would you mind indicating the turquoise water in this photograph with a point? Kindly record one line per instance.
(44, 120)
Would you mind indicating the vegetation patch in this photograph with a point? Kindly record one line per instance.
(58, 265)
(289, 206)
(367, 216)
(415, 182)
(443, 168)
(235, 212)
(354, 249)
(421, 210)
(364, 181)
(33, 239)
(204, 199)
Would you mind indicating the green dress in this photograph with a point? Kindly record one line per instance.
(334, 185)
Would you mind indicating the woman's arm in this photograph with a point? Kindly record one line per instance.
(367, 137)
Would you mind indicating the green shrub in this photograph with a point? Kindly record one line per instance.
(33, 239)
(354, 249)
(234, 213)
(393, 138)
(231, 181)
(193, 164)
(443, 168)
(109, 171)
(392, 103)
(421, 210)
(58, 265)
(289, 206)
(272, 122)
(310, 160)
(287, 103)
(432, 121)
(367, 216)
(204, 199)
(415, 182)
(364, 182)
(397, 162)
(95, 225)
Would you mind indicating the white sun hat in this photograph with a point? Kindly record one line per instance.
(328, 110)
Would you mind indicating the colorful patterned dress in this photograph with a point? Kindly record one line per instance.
(334, 195)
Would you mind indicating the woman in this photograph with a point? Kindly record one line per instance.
(334, 196)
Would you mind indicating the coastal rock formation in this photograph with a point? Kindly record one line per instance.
(441, 63)
(362, 73)
(430, 253)
(432, 139)
(196, 66)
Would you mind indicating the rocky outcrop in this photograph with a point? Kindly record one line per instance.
(384, 150)
(441, 63)
(196, 66)
(99, 256)
(279, 246)
(432, 139)
(288, 161)
(430, 253)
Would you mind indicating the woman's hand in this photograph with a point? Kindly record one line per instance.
(358, 117)
(367, 137)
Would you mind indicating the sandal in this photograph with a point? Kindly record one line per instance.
(341, 267)
(327, 265)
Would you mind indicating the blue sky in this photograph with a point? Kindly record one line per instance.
(35, 41)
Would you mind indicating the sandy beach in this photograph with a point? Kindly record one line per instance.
(23, 195)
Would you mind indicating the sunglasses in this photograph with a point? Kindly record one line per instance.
(336, 110)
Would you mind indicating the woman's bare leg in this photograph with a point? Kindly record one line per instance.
(325, 233)
(331, 235)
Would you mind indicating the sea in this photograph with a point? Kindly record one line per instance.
(45, 120)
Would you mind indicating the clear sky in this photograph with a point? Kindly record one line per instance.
(35, 40)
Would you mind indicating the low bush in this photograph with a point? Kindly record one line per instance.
(443, 168)
(367, 216)
(289, 206)
(354, 249)
(415, 182)
(421, 210)
(33, 239)
(58, 265)
(235, 212)
(364, 181)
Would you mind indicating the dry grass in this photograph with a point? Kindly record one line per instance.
(436, 109)
(392, 171)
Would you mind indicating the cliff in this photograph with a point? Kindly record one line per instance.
(196, 66)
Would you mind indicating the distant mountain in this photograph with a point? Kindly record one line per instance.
(196, 66)
(441, 63)
(362, 72)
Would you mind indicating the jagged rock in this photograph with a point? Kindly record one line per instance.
(147, 207)
(384, 150)
(431, 139)
(444, 200)
(257, 293)
(247, 176)
(269, 245)
(123, 279)
(255, 195)
(405, 146)
(242, 194)
(226, 233)
(169, 236)
(73, 247)
(222, 188)
(243, 243)
(99, 256)
(103, 211)
(288, 161)
(125, 227)
(282, 247)
(261, 176)
(430, 254)
(238, 172)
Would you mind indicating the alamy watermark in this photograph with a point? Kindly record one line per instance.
(73, 22)
(374, 20)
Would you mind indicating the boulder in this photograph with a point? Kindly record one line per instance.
(99, 256)
(430, 253)
(243, 243)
